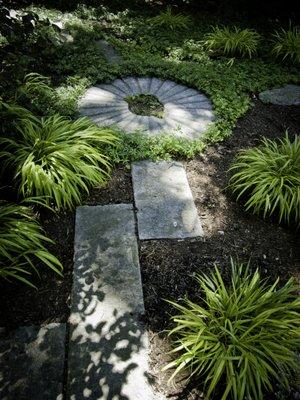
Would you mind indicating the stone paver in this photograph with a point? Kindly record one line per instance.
(287, 95)
(165, 206)
(32, 362)
(109, 52)
(187, 112)
(108, 350)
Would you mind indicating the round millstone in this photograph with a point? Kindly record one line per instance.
(187, 112)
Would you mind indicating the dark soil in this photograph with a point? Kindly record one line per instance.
(169, 266)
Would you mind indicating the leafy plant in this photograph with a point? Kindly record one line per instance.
(145, 104)
(269, 175)
(170, 20)
(22, 244)
(286, 44)
(57, 158)
(232, 42)
(244, 334)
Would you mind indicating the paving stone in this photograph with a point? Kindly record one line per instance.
(108, 350)
(144, 84)
(165, 87)
(164, 201)
(109, 52)
(155, 85)
(287, 95)
(105, 109)
(32, 362)
(180, 103)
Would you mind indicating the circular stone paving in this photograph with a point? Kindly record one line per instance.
(187, 112)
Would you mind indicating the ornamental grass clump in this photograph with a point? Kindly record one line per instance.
(286, 44)
(170, 20)
(57, 158)
(268, 177)
(22, 244)
(232, 41)
(240, 337)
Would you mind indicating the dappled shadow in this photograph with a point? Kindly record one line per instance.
(108, 342)
(32, 363)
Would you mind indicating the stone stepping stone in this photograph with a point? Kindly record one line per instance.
(108, 350)
(187, 112)
(164, 201)
(32, 362)
(109, 52)
(287, 95)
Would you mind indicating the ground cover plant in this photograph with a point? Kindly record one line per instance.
(170, 20)
(57, 158)
(23, 244)
(245, 333)
(269, 178)
(145, 104)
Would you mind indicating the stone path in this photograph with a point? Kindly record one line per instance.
(109, 52)
(164, 201)
(32, 362)
(187, 112)
(287, 95)
(108, 344)
(108, 351)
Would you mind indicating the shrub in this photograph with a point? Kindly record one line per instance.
(57, 158)
(169, 20)
(232, 42)
(286, 44)
(270, 176)
(244, 334)
(22, 244)
(36, 92)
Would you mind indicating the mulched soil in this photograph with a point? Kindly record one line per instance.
(168, 266)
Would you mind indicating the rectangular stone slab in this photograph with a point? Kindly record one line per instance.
(32, 362)
(164, 201)
(108, 350)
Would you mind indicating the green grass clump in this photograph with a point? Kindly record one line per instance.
(286, 44)
(22, 244)
(269, 176)
(170, 20)
(242, 336)
(232, 42)
(57, 158)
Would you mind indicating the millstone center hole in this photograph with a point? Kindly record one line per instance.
(145, 104)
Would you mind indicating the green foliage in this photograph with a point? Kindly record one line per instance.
(145, 104)
(241, 337)
(138, 146)
(286, 44)
(22, 244)
(168, 19)
(37, 93)
(57, 158)
(232, 42)
(269, 176)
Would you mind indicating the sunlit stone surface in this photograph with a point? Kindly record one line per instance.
(187, 112)
(108, 351)
(32, 362)
(164, 201)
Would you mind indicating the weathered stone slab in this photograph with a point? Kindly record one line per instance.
(32, 362)
(108, 348)
(287, 95)
(164, 201)
(109, 52)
